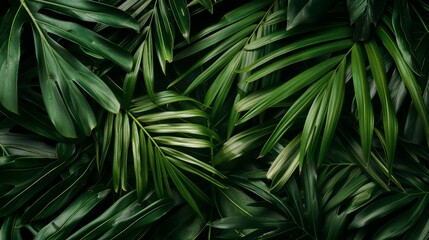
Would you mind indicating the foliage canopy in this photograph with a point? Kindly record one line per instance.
(176, 119)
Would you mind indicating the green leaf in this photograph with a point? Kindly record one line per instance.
(404, 221)
(288, 88)
(285, 164)
(363, 101)
(335, 104)
(297, 108)
(59, 195)
(221, 86)
(207, 4)
(363, 13)
(313, 126)
(137, 218)
(309, 11)
(282, 34)
(303, 55)
(117, 152)
(55, 105)
(335, 224)
(335, 33)
(64, 223)
(242, 142)
(10, 228)
(183, 142)
(421, 231)
(90, 11)
(107, 139)
(28, 176)
(87, 39)
(390, 121)
(183, 185)
(408, 78)
(86, 79)
(402, 26)
(148, 65)
(235, 42)
(156, 117)
(181, 14)
(227, 57)
(185, 128)
(220, 35)
(131, 77)
(137, 160)
(380, 208)
(186, 158)
(164, 38)
(311, 197)
(10, 51)
(183, 224)
(104, 222)
(246, 223)
(349, 187)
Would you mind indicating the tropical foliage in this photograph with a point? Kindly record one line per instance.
(176, 119)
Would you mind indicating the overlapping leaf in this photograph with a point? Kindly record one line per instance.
(153, 133)
(60, 72)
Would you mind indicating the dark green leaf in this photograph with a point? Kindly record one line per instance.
(308, 11)
(363, 13)
(104, 222)
(10, 50)
(90, 11)
(64, 223)
(28, 176)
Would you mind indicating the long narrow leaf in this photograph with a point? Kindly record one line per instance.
(363, 100)
(10, 51)
(390, 121)
(408, 78)
(290, 87)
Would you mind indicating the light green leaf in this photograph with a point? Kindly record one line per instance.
(408, 78)
(156, 117)
(131, 77)
(285, 164)
(207, 4)
(148, 65)
(242, 142)
(299, 57)
(288, 88)
(336, 98)
(390, 121)
(125, 130)
(185, 128)
(164, 38)
(363, 100)
(380, 208)
(183, 142)
(87, 39)
(117, 152)
(90, 11)
(181, 14)
(219, 36)
(317, 38)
